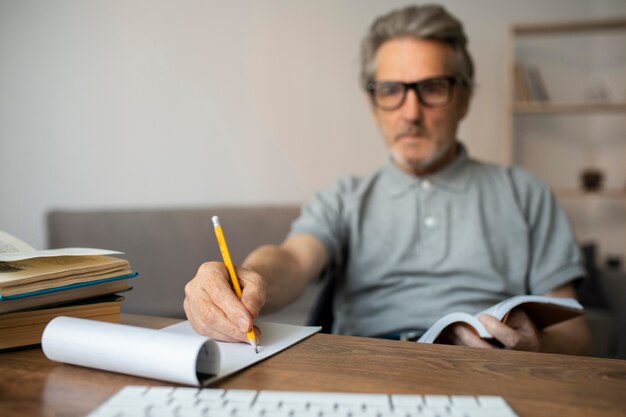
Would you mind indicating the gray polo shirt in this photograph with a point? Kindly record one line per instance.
(409, 250)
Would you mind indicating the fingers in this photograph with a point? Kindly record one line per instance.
(205, 316)
(257, 334)
(213, 308)
(461, 335)
(503, 333)
(253, 293)
(519, 333)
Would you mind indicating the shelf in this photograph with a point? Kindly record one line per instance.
(565, 192)
(564, 27)
(570, 53)
(567, 108)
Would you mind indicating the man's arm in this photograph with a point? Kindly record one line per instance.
(287, 269)
(519, 333)
(570, 337)
(271, 276)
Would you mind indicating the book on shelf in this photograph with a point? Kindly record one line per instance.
(25, 328)
(543, 311)
(521, 84)
(25, 271)
(528, 84)
(174, 354)
(537, 86)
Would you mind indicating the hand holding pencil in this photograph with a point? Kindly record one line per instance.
(231, 270)
(213, 307)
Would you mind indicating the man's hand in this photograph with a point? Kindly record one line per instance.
(519, 333)
(571, 337)
(212, 307)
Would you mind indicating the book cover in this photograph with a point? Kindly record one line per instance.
(60, 295)
(543, 311)
(521, 84)
(25, 328)
(537, 86)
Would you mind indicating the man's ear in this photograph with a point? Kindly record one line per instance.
(466, 98)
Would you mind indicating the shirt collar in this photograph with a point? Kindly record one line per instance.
(454, 177)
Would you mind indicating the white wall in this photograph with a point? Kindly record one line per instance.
(147, 103)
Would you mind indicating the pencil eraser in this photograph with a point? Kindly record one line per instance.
(216, 221)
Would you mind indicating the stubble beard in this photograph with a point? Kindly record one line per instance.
(425, 165)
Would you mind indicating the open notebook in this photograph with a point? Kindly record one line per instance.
(175, 354)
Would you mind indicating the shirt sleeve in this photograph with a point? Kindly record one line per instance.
(555, 257)
(324, 218)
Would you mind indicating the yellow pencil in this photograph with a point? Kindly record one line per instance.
(231, 271)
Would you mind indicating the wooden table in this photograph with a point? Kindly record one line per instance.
(534, 384)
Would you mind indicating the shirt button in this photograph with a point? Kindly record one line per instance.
(430, 221)
(425, 185)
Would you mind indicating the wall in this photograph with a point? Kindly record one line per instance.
(160, 103)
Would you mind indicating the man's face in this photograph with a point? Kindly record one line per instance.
(420, 139)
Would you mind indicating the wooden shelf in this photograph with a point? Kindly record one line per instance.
(565, 192)
(567, 108)
(564, 27)
(593, 213)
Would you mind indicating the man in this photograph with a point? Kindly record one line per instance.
(431, 232)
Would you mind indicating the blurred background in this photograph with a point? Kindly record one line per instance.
(147, 103)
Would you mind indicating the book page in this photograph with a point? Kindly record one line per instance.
(237, 356)
(542, 310)
(40, 269)
(9, 243)
(502, 308)
(21, 254)
(440, 325)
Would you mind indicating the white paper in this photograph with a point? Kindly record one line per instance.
(175, 354)
(48, 253)
(130, 350)
(234, 357)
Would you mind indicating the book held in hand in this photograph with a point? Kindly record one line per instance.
(543, 311)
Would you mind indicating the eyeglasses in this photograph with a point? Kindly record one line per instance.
(431, 92)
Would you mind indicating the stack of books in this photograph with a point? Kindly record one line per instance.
(37, 286)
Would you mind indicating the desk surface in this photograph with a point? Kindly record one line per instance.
(534, 384)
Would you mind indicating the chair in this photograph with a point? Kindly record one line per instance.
(322, 312)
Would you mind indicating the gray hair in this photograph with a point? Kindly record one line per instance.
(429, 21)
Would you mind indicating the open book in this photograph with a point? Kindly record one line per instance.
(543, 311)
(175, 354)
(26, 272)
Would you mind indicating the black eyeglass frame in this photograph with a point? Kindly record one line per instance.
(415, 86)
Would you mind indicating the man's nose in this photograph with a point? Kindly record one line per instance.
(411, 108)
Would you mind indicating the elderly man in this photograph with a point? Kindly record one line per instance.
(431, 232)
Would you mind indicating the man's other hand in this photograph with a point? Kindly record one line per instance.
(212, 307)
(519, 333)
